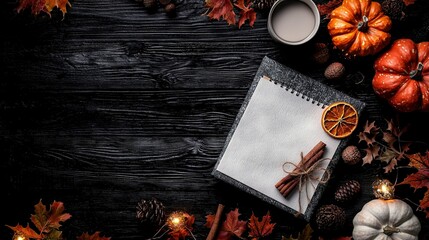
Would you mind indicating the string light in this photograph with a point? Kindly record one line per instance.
(176, 220)
(18, 236)
(383, 189)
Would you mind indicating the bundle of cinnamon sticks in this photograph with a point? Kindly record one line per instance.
(288, 183)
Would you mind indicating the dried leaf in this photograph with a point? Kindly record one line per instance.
(396, 131)
(389, 139)
(409, 2)
(246, 13)
(368, 139)
(372, 152)
(327, 8)
(47, 221)
(221, 9)
(25, 231)
(182, 233)
(389, 168)
(387, 156)
(370, 128)
(232, 226)
(209, 220)
(260, 229)
(420, 179)
(304, 235)
(95, 236)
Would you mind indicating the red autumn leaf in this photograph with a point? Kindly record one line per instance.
(260, 229)
(327, 8)
(185, 231)
(424, 203)
(95, 236)
(46, 221)
(218, 9)
(46, 6)
(209, 220)
(420, 179)
(246, 13)
(409, 2)
(25, 231)
(232, 226)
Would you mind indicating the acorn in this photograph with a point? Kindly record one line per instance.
(351, 155)
(320, 54)
(335, 71)
(170, 8)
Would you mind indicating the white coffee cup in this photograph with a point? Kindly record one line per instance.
(293, 22)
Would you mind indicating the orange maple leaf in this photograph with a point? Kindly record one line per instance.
(420, 179)
(246, 13)
(95, 236)
(209, 220)
(25, 231)
(221, 9)
(260, 229)
(46, 6)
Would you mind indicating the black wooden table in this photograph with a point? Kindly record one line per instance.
(114, 104)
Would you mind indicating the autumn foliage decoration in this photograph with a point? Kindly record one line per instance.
(387, 145)
(47, 224)
(46, 6)
(224, 9)
(359, 27)
(402, 76)
(233, 227)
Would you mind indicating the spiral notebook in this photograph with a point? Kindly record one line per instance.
(279, 119)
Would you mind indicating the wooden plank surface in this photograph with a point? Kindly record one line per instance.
(114, 104)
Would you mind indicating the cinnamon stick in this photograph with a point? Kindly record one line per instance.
(319, 146)
(215, 226)
(288, 183)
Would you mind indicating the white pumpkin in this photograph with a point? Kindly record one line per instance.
(386, 220)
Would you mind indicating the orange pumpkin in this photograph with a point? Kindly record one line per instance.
(402, 76)
(359, 27)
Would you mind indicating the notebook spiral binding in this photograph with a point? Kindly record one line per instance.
(298, 94)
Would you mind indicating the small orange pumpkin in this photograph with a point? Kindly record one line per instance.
(402, 76)
(359, 27)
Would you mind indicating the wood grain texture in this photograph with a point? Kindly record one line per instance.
(115, 103)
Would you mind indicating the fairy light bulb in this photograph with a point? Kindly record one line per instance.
(18, 236)
(176, 220)
(383, 189)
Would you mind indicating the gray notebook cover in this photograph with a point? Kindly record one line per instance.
(279, 118)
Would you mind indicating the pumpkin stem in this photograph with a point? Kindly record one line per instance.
(363, 25)
(388, 230)
(416, 73)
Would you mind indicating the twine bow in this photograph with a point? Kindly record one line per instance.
(305, 175)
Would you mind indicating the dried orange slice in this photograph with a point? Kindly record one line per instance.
(339, 119)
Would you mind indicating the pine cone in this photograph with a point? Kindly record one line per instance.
(351, 155)
(330, 218)
(263, 4)
(347, 191)
(151, 212)
(394, 9)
